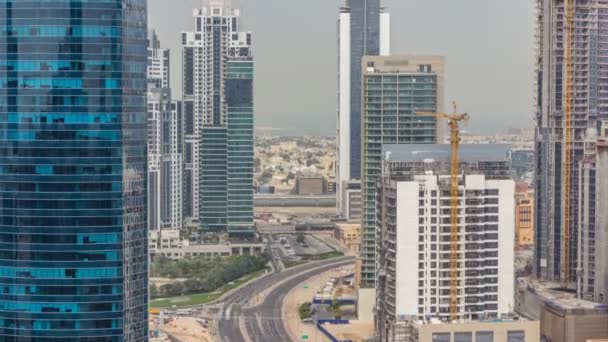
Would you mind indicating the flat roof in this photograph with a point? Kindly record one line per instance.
(441, 152)
(553, 293)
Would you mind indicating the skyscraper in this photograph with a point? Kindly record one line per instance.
(73, 222)
(159, 63)
(413, 225)
(393, 89)
(218, 121)
(364, 30)
(164, 143)
(560, 179)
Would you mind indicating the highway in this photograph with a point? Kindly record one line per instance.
(263, 322)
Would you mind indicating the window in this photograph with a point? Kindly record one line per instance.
(516, 336)
(441, 337)
(463, 337)
(484, 336)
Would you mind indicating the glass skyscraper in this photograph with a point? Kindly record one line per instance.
(363, 30)
(218, 122)
(73, 230)
(393, 89)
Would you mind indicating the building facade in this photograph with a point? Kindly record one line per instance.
(589, 109)
(363, 30)
(351, 200)
(414, 232)
(159, 63)
(73, 221)
(503, 330)
(310, 185)
(165, 143)
(524, 215)
(218, 121)
(592, 273)
(393, 88)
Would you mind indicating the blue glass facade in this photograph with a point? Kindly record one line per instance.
(213, 180)
(239, 100)
(364, 41)
(73, 239)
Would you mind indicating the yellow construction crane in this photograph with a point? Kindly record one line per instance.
(454, 124)
(568, 92)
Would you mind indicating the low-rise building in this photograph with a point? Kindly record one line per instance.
(210, 250)
(349, 234)
(563, 317)
(164, 239)
(310, 185)
(501, 330)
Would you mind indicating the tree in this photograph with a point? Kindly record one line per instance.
(304, 311)
(291, 176)
(312, 161)
(336, 311)
(300, 238)
(266, 176)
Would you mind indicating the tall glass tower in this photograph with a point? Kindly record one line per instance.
(363, 30)
(73, 239)
(218, 122)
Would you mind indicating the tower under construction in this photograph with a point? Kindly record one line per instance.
(572, 103)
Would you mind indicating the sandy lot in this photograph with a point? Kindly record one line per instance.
(302, 294)
(355, 331)
(188, 330)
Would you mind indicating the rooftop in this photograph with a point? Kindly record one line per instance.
(441, 152)
(564, 299)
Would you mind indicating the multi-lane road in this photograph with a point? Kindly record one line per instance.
(263, 322)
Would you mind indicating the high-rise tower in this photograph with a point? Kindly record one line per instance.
(413, 209)
(218, 121)
(363, 30)
(589, 109)
(394, 88)
(73, 230)
(164, 143)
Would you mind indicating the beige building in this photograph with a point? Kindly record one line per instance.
(479, 331)
(559, 324)
(524, 215)
(310, 185)
(349, 234)
(562, 316)
(209, 250)
(164, 239)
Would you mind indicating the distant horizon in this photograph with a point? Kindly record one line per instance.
(489, 71)
(289, 128)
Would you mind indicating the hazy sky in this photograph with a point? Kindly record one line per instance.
(488, 45)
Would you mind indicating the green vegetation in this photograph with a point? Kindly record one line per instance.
(305, 311)
(335, 309)
(203, 275)
(300, 238)
(293, 263)
(324, 256)
(203, 298)
(266, 176)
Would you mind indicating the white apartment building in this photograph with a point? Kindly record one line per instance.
(414, 237)
(158, 63)
(414, 250)
(164, 143)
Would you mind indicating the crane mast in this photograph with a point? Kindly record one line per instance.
(454, 125)
(568, 92)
